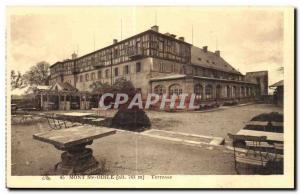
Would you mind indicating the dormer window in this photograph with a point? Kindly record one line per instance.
(207, 61)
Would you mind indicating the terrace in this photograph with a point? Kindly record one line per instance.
(140, 153)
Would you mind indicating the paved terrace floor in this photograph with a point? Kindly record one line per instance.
(131, 153)
(211, 123)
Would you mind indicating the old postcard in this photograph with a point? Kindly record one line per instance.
(150, 97)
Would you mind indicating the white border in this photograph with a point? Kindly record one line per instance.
(111, 2)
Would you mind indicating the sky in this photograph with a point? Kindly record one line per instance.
(250, 39)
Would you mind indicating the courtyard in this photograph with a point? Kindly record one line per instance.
(134, 153)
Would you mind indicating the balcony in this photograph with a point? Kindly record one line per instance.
(136, 53)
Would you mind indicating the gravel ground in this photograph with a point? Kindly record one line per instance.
(130, 153)
(212, 123)
(123, 153)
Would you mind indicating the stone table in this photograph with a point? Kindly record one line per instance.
(76, 158)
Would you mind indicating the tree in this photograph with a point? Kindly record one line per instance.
(16, 80)
(38, 74)
(99, 88)
(121, 85)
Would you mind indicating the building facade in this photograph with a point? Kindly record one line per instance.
(158, 63)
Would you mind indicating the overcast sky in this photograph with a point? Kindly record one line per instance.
(249, 39)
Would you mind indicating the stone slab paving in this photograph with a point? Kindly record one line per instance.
(184, 137)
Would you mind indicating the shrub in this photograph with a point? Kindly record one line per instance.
(131, 119)
(230, 103)
(273, 116)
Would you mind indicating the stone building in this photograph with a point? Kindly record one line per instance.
(260, 77)
(159, 63)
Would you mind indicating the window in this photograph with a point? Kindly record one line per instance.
(99, 75)
(138, 67)
(173, 68)
(161, 67)
(126, 69)
(198, 90)
(93, 76)
(87, 77)
(161, 45)
(107, 73)
(234, 91)
(160, 90)
(175, 90)
(80, 78)
(247, 91)
(116, 72)
(208, 91)
(242, 91)
(116, 52)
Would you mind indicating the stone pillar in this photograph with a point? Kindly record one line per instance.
(222, 91)
(47, 102)
(59, 107)
(65, 104)
(204, 93)
(42, 102)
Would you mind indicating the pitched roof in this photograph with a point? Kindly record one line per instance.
(280, 83)
(43, 87)
(64, 86)
(208, 59)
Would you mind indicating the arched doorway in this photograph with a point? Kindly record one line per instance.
(198, 90)
(234, 92)
(209, 92)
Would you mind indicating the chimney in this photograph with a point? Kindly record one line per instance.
(74, 55)
(181, 38)
(217, 52)
(204, 49)
(173, 35)
(155, 28)
(167, 34)
(115, 41)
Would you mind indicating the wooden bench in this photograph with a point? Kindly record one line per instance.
(254, 152)
(55, 122)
